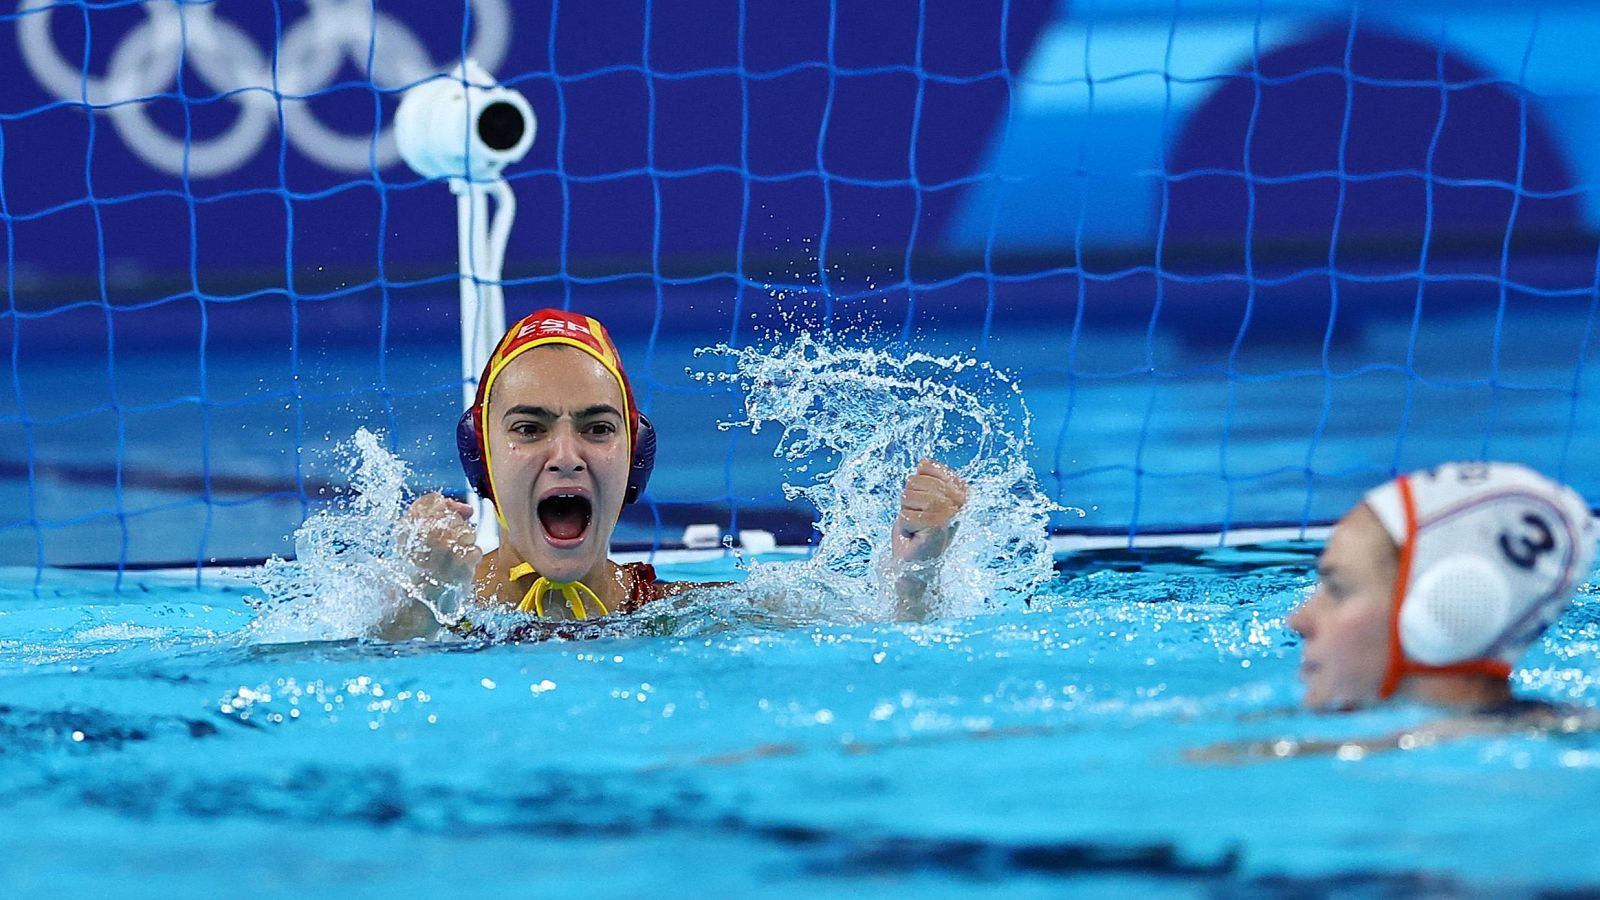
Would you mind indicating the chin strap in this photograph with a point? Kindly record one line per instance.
(573, 591)
(1401, 665)
(1402, 581)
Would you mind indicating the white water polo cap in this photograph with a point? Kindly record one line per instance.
(1490, 554)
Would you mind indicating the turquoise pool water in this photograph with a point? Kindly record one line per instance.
(152, 744)
(156, 738)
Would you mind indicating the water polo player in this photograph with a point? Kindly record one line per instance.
(556, 441)
(1432, 587)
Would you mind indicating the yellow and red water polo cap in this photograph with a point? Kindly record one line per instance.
(543, 328)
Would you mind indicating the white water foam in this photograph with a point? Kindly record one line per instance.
(856, 421)
(351, 574)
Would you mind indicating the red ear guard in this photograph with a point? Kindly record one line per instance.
(470, 447)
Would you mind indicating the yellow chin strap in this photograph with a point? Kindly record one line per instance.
(573, 591)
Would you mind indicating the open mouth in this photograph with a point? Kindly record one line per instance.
(565, 517)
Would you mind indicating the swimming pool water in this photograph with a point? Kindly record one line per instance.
(151, 740)
(150, 744)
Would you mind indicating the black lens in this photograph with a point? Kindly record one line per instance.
(500, 126)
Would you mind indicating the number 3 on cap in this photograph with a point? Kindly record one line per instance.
(1525, 551)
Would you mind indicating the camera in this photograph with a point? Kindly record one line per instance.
(463, 125)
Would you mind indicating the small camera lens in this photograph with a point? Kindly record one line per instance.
(500, 126)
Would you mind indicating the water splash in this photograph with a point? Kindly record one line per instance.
(857, 420)
(351, 573)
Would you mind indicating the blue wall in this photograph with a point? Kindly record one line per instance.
(711, 132)
(1119, 98)
(689, 135)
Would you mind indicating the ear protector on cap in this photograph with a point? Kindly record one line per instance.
(470, 449)
(1455, 609)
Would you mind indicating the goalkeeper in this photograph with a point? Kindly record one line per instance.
(557, 443)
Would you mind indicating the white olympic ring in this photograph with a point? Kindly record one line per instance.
(145, 63)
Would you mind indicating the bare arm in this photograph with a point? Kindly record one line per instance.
(933, 495)
(437, 539)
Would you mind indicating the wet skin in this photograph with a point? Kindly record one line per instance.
(1344, 624)
(555, 427)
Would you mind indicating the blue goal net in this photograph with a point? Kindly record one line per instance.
(1243, 260)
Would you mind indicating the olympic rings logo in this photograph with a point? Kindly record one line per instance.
(146, 63)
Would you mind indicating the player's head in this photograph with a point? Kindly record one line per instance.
(556, 440)
(1455, 570)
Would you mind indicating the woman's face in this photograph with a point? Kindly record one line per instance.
(558, 447)
(1344, 624)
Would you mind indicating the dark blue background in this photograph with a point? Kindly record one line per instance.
(723, 133)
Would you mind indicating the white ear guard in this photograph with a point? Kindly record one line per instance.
(1455, 610)
(1496, 553)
